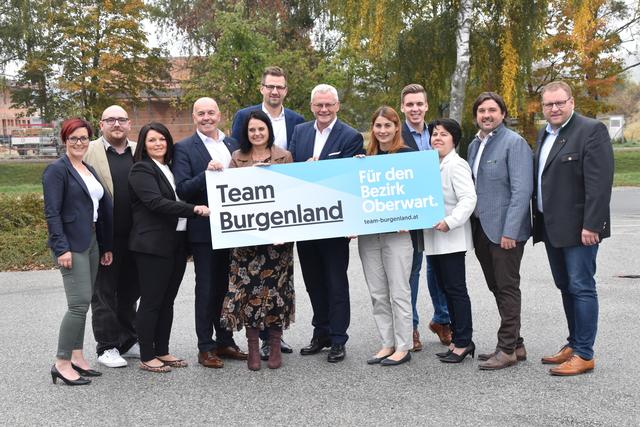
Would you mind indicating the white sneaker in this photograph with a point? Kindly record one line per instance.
(111, 358)
(133, 352)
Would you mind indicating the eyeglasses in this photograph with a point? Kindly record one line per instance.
(74, 140)
(272, 87)
(112, 120)
(559, 104)
(327, 105)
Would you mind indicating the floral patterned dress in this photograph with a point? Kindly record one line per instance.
(261, 291)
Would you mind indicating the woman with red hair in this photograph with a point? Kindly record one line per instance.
(78, 213)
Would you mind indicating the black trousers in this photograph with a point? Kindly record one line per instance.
(324, 266)
(212, 283)
(450, 271)
(501, 268)
(160, 280)
(113, 304)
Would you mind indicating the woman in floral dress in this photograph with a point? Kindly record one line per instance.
(261, 293)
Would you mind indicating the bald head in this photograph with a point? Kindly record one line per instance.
(115, 125)
(206, 116)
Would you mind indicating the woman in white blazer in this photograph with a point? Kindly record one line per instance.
(450, 239)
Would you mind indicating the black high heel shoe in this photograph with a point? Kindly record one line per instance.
(55, 374)
(444, 353)
(86, 372)
(457, 358)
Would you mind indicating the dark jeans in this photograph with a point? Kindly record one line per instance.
(573, 271)
(450, 271)
(501, 268)
(113, 305)
(438, 299)
(212, 283)
(324, 266)
(160, 280)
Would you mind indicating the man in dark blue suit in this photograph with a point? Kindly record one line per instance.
(324, 262)
(273, 88)
(207, 149)
(414, 105)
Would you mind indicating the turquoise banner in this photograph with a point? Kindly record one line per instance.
(329, 198)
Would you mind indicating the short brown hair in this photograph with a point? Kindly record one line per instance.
(485, 96)
(273, 71)
(558, 84)
(412, 88)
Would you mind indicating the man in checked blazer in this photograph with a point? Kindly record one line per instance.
(573, 179)
(324, 262)
(502, 166)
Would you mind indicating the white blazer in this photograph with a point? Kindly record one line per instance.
(459, 202)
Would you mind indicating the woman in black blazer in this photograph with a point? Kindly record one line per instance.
(159, 242)
(79, 221)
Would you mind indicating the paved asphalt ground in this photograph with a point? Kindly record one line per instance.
(308, 390)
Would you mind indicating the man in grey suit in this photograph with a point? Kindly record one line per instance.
(574, 175)
(502, 166)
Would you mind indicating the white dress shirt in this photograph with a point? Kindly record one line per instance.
(279, 128)
(216, 148)
(321, 137)
(483, 143)
(95, 191)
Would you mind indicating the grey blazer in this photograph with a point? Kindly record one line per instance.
(504, 185)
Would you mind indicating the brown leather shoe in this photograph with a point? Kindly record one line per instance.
(442, 331)
(417, 345)
(521, 354)
(231, 352)
(499, 360)
(574, 366)
(208, 359)
(562, 356)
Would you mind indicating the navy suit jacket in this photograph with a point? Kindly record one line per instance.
(291, 119)
(408, 138)
(576, 183)
(190, 160)
(68, 209)
(343, 142)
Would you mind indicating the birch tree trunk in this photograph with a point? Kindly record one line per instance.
(461, 72)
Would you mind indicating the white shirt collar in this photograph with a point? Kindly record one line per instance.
(328, 128)
(206, 138)
(278, 117)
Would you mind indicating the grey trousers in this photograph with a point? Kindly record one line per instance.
(78, 287)
(386, 261)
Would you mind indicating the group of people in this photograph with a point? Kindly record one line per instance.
(123, 217)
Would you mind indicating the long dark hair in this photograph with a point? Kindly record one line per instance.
(245, 145)
(141, 148)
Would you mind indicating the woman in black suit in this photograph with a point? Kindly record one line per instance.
(78, 213)
(159, 242)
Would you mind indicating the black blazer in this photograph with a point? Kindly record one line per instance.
(68, 209)
(576, 183)
(190, 160)
(344, 141)
(155, 210)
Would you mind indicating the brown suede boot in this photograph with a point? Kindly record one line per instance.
(253, 361)
(275, 354)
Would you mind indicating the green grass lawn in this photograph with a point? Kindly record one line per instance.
(21, 177)
(627, 167)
